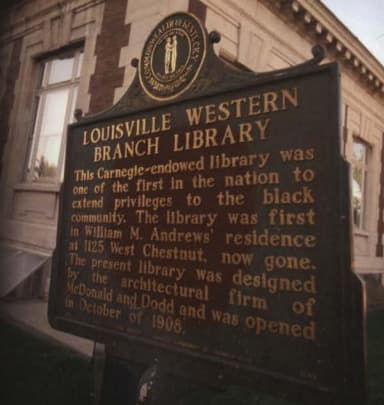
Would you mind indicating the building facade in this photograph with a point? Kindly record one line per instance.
(60, 57)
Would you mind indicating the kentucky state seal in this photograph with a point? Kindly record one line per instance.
(172, 56)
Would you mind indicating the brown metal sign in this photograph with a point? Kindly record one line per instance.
(211, 219)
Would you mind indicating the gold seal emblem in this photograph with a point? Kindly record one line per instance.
(172, 56)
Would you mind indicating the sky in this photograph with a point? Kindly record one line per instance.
(365, 18)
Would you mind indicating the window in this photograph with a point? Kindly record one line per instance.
(55, 108)
(359, 181)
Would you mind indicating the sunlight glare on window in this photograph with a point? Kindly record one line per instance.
(54, 111)
(47, 156)
(61, 70)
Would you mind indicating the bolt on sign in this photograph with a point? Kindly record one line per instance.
(206, 217)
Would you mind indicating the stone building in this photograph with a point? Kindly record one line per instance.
(59, 56)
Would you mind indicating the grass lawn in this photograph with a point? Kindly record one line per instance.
(375, 348)
(35, 372)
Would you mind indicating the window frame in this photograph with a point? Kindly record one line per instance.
(43, 90)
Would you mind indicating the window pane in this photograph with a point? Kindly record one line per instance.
(45, 73)
(51, 132)
(61, 70)
(54, 111)
(70, 120)
(359, 151)
(47, 156)
(357, 176)
(357, 195)
(73, 99)
(57, 100)
(79, 64)
(359, 180)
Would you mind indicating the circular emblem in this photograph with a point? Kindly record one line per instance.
(172, 56)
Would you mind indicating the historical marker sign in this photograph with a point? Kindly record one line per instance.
(211, 219)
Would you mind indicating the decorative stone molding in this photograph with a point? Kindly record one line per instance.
(346, 48)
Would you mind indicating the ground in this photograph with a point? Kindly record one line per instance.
(36, 372)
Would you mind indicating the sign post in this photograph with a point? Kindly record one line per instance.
(205, 219)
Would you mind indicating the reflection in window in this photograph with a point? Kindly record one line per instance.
(60, 70)
(359, 181)
(56, 104)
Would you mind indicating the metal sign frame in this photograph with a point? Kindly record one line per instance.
(340, 296)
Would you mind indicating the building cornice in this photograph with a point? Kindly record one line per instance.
(17, 27)
(317, 20)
